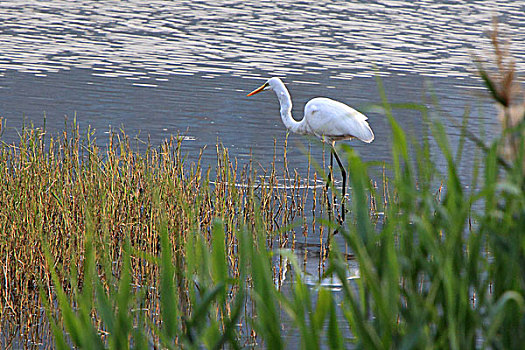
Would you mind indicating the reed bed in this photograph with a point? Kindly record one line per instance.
(52, 184)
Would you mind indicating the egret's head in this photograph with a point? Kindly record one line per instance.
(269, 85)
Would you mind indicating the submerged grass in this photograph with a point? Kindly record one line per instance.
(133, 250)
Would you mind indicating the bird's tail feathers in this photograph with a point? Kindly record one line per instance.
(365, 133)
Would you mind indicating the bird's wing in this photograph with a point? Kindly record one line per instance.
(335, 120)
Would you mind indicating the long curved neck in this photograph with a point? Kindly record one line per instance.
(286, 110)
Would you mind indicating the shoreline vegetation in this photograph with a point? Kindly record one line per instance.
(114, 248)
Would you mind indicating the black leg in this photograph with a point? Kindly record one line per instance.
(343, 174)
(328, 181)
(330, 171)
(328, 205)
(330, 178)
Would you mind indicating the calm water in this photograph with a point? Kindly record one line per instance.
(162, 68)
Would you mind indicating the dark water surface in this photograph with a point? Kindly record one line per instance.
(161, 68)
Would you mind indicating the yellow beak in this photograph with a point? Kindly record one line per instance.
(259, 89)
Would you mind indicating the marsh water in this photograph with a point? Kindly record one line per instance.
(162, 68)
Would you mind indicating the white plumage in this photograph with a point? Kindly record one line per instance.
(325, 118)
(336, 121)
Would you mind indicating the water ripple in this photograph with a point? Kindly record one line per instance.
(121, 39)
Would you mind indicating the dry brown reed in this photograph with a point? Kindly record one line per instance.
(505, 88)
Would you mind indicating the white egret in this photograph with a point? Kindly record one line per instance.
(325, 118)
